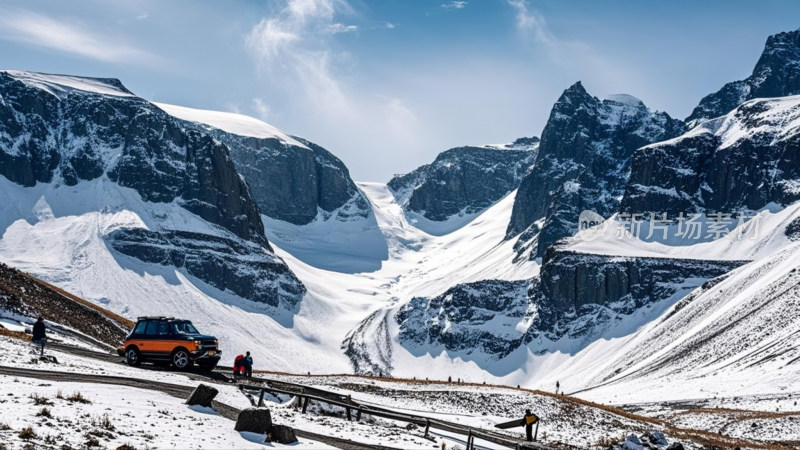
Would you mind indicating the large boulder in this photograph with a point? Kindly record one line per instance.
(202, 395)
(282, 435)
(254, 420)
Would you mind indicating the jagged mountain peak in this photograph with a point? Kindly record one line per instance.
(583, 161)
(776, 74)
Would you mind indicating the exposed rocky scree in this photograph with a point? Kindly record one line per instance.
(776, 74)
(64, 130)
(583, 163)
(465, 180)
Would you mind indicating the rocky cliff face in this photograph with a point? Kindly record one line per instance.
(65, 130)
(481, 317)
(465, 180)
(741, 161)
(291, 179)
(776, 74)
(583, 163)
(576, 298)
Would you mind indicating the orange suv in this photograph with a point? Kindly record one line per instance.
(171, 340)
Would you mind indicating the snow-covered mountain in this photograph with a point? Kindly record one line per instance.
(83, 146)
(462, 182)
(466, 267)
(776, 74)
(583, 163)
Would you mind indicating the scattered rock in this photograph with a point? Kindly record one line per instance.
(282, 435)
(632, 443)
(254, 420)
(675, 446)
(202, 395)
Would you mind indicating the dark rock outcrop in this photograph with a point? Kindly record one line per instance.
(579, 291)
(583, 163)
(290, 182)
(464, 180)
(739, 162)
(247, 269)
(472, 317)
(776, 74)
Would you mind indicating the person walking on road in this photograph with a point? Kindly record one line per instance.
(248, 365)
(39, 334)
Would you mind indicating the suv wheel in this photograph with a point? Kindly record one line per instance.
(132, 356)
(180, 359)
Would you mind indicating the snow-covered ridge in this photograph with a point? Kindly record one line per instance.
(57, 84)
(230, 122)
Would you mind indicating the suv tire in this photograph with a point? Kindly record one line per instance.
(133, 356)
(181, 359)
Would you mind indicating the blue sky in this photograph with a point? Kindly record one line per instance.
(387, 85)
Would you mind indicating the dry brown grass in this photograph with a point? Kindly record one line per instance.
(15, 334)
(741, 414)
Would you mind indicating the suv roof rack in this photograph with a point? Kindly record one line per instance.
(155, 318)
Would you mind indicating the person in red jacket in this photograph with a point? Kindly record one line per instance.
(238, 365)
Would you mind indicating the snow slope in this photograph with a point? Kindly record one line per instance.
(230, 122)
(736, 338)
(56, 84)
(57, 233)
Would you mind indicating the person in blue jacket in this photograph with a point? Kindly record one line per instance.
(248, 365)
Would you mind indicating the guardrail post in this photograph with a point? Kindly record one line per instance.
(358, 415)
(536, 434)
(261, 398)
(470, 441)
(305, 404)
(427, 427)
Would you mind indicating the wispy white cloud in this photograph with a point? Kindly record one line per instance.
(308, 75)
(455, 4)
(69, 37)
(531, 23)
(342, 28)
(261, 108)
(390, 25)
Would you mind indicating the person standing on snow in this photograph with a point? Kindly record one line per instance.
(248, 365)
(39, 333)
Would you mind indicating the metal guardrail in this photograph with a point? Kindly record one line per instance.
(306, 394)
